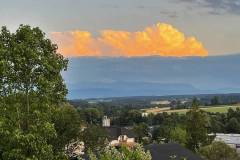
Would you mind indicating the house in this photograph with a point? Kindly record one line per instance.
(145, 114)
(233, 140)
(170, 151)
(117, 135)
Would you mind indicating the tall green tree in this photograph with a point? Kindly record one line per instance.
(31, 89)
(219, 151)
(92, 116)
(196, 127)
(141, 130)
(179, 135)
(233, 126)
(94, 138)
(67, 122)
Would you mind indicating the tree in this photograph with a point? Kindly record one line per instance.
(91, 115)
(178, 135)
(124, 153)
(196, 127)
(158, 119)
(31, 88)
(233, 114)
(233, 126)
(94, 138)
(216, 125)
(141, 130)
(131, 117)
(215, 100)
(66, 121)
(218, 151)
(161, 133)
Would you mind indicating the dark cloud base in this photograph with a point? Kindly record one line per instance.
(217, 6)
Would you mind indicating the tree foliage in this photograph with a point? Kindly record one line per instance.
(141, 130)
(219, 151)
(94, 138)
(67, 125)
(215, 100)
(31, 91)
(179, 135)
(196, 127)
(124, 153)
(92, 116)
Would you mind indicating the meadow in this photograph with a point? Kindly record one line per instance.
(212, 109)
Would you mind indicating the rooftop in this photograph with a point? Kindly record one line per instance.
(170, 150)
(228, 138)
(114, 132)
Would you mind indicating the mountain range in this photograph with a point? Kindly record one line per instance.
(99, 77)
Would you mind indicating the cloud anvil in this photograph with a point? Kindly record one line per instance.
(160, 39)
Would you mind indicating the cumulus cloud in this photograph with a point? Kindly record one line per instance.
(160, 39)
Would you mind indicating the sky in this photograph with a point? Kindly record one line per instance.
(213, 24)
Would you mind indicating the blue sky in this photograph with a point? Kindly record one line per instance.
(216, 23)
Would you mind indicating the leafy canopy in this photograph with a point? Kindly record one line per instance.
(31, 91)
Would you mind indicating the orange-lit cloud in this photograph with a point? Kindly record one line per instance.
(161, 39)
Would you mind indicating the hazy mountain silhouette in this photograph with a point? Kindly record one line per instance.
(146, 76)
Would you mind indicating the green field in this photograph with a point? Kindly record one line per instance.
(212, 109)
(222, 109)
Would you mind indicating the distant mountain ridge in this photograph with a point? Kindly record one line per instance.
(90, 77)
